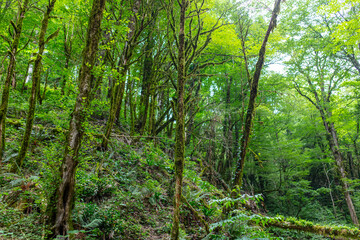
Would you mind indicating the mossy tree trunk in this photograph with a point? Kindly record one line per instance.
(35, 85)
(10, 71)
(180, 123)
(147, 78)
(115, 103)
(251, 107)
(183, 59)
(67, 51)
(332, 232)
(146, 84)
(61, 217)
(319, 96)
(192, 109)
(151, 128)
(226, 159)
(335, 150)
(118, 87)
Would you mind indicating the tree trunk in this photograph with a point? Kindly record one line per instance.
(330, 192)
(67, 51)
(132, 108)
(335, 150)
(251, 107)
(34, 89)
(9, 75)
(227, 133)
(211, 149)
(116, 101)
(13, 83)
(147, 81)
(192, 110)
(27, 73)
(356, 150)
(152, 126)
(119, 86)
(61, 217)
(180, 124)
(353, 61)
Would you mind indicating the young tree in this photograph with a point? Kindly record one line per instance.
(136, 26)
(10, 71)
(35, 85)
(68, 45)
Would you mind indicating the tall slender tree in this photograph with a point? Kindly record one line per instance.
(147, 78)
(180, 122)
(135, 28)
(60, 218)
(10, 71)
(251, 106)
(35, 85)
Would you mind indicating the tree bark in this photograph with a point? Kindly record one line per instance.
(192, 110)
(180, 124)
(26, 73)
(152, 124)
(9, 75)
(61, 217)
(226, 153)
(35, 86)
(335, 150)
(67, 51)
(115, 106)
(251, 107)
(146, 83)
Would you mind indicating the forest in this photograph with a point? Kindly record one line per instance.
(179, 119)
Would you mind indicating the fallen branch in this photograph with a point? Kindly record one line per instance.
(198, 216)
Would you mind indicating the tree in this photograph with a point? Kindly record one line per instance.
(35, 85)
(136, 25)
(10, 71)
(253, 94)
(320, 82)
(60, 217)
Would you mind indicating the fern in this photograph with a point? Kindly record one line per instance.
(94, 224)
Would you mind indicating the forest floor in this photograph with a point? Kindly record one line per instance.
(125, 192)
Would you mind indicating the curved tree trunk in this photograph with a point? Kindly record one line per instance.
(9, 74)
(61, 217)
(35, 86)
(251, 107)
(335, 150)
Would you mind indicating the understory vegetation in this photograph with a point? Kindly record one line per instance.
(188, 119)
